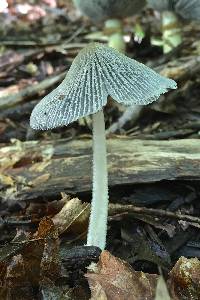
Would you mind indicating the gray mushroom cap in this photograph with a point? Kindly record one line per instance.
(96, 72)
(161, 5)
(187, 9)
(100, 10)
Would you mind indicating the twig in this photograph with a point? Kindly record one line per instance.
(40, 44)
(73, 36)
(118, 208)
(131, 114)
(11, 100)
(11, 60)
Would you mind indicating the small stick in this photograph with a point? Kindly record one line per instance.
(118, 208)
(14, 99)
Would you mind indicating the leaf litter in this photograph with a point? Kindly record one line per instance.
(38, 259)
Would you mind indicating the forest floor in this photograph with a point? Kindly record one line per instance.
(45, 177)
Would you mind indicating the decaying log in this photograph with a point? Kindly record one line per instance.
(35, 169)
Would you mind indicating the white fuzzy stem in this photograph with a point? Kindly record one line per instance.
(172, 33)
(99, 206)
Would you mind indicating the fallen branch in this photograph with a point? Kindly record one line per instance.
(30, 91)
(31, 170)
(120, 209)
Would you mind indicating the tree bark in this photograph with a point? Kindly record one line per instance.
(32, 170)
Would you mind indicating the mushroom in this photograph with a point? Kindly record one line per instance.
(111, 12)
(97, 72)
(172, 13)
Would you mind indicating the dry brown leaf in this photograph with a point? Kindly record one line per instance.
(46, 229)
(73, 216)
(50, 263)
(184, 279)
(17, 284)
(35, 262)
(114, 279)
(41, 254)
(16, 272)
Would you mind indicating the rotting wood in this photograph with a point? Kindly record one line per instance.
(34, 169)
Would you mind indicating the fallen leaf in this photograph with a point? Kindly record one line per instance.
(114, 279)
(16, 274)
(46, 229)
(3, 269)
(51, 291)
(73, 216)
(144, 246)
(184, 279)
(30, 260)
(14, 247)
(17, 283)
(39, 251)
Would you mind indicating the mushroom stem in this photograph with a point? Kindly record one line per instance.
(172, 33)
(114, 30)
(99, 206)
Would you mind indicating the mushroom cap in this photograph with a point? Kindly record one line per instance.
(96, 72)
(100, 10)
(187, 9)
(161, 5)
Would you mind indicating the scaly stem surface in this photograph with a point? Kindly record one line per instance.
(172, 33)
(99, 206)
